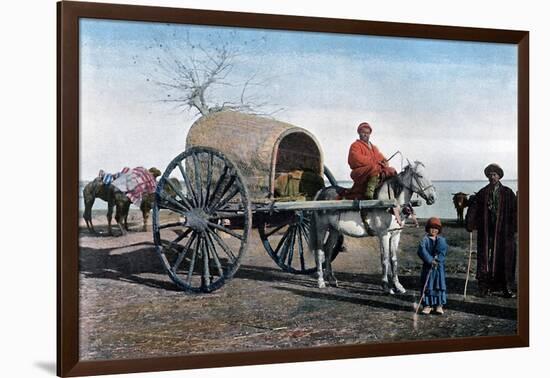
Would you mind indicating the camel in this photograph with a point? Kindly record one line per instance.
(115, 199)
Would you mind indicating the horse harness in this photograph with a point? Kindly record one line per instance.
(421, 189)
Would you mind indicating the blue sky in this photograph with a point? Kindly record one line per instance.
(449, 104)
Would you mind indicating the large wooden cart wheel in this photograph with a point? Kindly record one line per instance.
(285, 238)
(201, 219)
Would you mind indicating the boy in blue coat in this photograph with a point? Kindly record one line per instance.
(432, 250)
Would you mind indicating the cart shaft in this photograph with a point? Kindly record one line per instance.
(327, 205)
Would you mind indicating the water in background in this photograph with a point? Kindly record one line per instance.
(442, 208)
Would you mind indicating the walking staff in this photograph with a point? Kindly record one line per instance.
(469, 263)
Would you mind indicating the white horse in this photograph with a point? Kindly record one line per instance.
(381, 223)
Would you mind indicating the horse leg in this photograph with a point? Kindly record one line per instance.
(384, 242)
(394, 245)
(329, 247)
(315, 240)
(319, 259)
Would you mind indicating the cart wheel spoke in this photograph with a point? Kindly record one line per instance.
(219, 183)
(206, 279)
(198, 185)
(223, 245)
(183, 253)
(181, 236)
(225, 229)
(169, 225)
(171, 208)
(234, 191)
(173, 245)
(276, 229)
(192, 263)
(305, 229)
(289, 250)
(286, 243)
(301, 248)
(214, 254)
(218, 197)
(208, 180)
(282, 243)
(165, 197)
(189, 186)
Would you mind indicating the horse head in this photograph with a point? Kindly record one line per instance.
(414, 178)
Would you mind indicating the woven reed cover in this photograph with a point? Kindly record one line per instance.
(260, 147)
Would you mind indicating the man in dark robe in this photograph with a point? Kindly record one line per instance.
(493, 213)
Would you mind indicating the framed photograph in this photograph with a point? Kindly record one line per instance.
(238, 188)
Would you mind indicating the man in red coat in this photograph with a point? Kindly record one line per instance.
(493, 213)
(368, 165)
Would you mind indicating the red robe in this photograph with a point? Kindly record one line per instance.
(365, 161)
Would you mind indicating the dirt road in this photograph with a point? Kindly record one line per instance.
(131, 309)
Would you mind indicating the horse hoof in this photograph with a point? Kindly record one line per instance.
(321, 285)
(387, 289)
(400, 289)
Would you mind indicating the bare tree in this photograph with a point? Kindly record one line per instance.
(200, 76)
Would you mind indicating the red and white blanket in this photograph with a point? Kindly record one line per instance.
(136, 183)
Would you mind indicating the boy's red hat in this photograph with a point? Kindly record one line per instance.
(434, 222)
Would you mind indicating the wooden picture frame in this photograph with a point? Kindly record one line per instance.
(69, 363)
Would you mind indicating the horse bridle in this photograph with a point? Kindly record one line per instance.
(422, 190)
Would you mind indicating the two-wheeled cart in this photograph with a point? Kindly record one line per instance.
(241, 172)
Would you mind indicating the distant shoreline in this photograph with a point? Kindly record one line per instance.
(504, 180)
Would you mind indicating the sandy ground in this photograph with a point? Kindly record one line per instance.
(131, 309)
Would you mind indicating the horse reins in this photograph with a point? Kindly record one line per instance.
(422, 190)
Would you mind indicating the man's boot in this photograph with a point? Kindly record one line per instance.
(507, 291)
(371, 186)
(483, 289)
